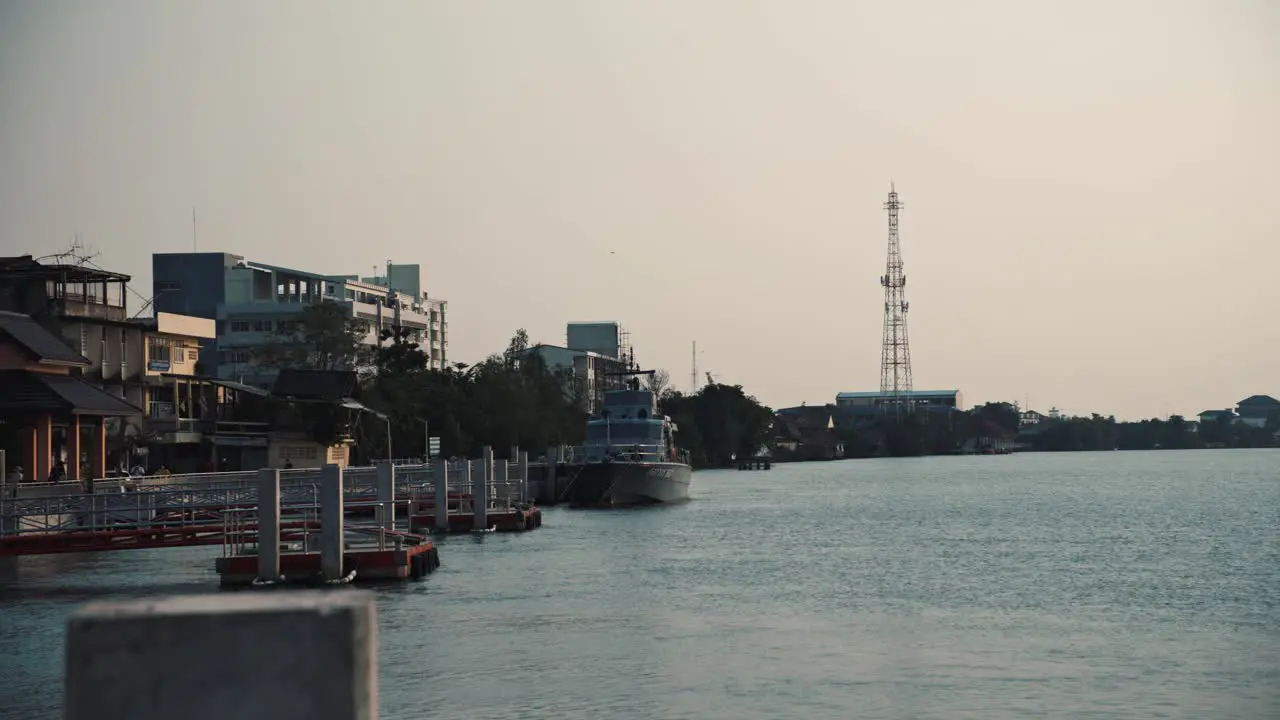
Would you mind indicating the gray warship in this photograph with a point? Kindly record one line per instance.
(630, 454)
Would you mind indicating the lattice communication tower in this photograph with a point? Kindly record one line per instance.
(895, 351)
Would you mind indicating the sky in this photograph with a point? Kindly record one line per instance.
(1090, 188)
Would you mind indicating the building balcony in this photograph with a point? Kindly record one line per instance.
(159, 410)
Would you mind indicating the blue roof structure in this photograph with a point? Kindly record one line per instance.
(913, 394)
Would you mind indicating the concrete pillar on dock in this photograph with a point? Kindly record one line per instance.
(523, 471)
(331, 530)
(268, 524)
(498, 481)
(548, 490)
(440, 476)
(74, 437)
(386, 496)
(480, 488)
(286, 656)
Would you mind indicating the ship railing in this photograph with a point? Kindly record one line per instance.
(630, 453)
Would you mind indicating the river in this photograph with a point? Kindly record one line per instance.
(1109, 585)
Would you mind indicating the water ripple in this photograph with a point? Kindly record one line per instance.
(1109, 585)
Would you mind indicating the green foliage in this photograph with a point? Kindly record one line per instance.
(1003, 414)
(509, 399)
(942, 433)
(718, 423)
(323, 337)
(398, 354)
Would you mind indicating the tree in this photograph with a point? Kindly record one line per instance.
(658, 382)
(1001, 413)
(498, 402)
(517, 347)
(323, 337)
(399, 353)
(718, 423)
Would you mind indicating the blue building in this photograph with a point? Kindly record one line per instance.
(867, 403)
(253, 304)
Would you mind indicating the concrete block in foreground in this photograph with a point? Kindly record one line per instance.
(249, 656)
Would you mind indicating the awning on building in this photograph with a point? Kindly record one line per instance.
(354, 405)
(239, 387)
(27, 391)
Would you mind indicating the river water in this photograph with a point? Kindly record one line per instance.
(1108, 585)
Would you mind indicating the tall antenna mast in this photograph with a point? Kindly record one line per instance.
(895, 352)
(693, 372)
(195, 242)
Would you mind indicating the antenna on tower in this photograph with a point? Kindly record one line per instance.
(895, 351)
(693, 370)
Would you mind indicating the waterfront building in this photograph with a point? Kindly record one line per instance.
(49, 418)
(1257, 411)
(595, 355)
(155, 364)
(1210, 417)
(253, 303)
(927, 400)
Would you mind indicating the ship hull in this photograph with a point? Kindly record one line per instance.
(627, 484)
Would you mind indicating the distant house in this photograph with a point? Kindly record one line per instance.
(307, 391)
(1028, 418)
(1257, 410)
(989, 437)
(808, 432)
(1209, 417)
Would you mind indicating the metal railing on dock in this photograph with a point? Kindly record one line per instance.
(217, 504)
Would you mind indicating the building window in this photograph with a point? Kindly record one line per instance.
(158, 349)
(241, 326)
(262, 326)
(298, 452)
(193, 354)
(287, 327)
(178, 354)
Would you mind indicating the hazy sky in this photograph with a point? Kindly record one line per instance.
(1091, 188)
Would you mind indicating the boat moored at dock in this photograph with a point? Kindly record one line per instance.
(630, 455)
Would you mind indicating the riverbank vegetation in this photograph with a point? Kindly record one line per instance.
(828, 432)
(510, 398)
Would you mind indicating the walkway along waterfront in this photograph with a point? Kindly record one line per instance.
(228, 509)
(260, 558)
